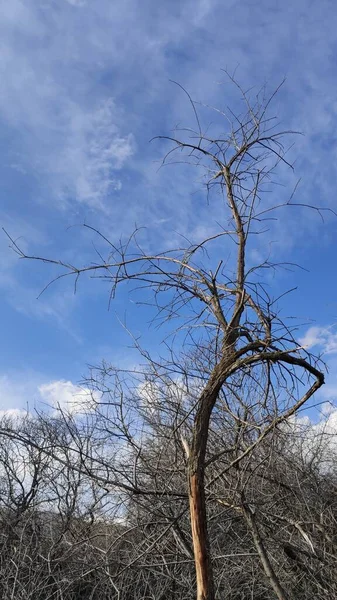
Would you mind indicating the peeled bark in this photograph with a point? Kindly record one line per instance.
(203, 566)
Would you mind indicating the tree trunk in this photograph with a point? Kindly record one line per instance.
(196, 476)
(203, 566)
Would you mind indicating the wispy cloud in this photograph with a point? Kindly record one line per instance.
(70, 137)
(94, 152)
(79, 102)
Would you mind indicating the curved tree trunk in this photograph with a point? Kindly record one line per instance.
(196, 476)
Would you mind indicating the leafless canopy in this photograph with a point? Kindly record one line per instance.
(193, 446)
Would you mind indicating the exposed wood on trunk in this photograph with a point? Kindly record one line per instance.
(203, 567)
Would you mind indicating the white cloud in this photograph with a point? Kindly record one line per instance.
(316, 441)
(13, 413)
(21, 393)
(323, 337)
(66, 396)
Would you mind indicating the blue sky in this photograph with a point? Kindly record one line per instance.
(85, 84)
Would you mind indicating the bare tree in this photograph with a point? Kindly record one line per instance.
(239, 368)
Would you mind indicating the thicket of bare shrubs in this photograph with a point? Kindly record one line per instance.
(65, 536)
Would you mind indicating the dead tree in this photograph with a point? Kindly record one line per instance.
(227, 313)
